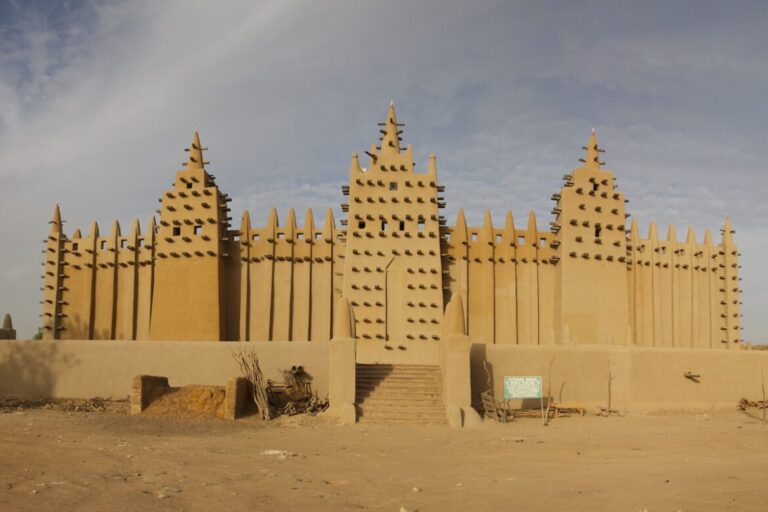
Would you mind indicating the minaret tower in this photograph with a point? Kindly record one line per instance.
(592, 273)
(188, 302)
(53, 279)
(730, 290)
(392, 270)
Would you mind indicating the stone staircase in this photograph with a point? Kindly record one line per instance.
(399, 394)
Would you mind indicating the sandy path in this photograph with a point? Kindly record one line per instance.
(54, 460)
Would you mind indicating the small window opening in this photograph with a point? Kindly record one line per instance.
(594, 186)
(255, 237)
(197, 229)
(318, 236)
(598, 230)
(520, 240)
(384, 225)
(281, 236)
(189, 185)
(393, 185)
(176, 231)
(422, 223)
(361, 224)
(74, 246)
(402, 225)
(139, 242)
(103, 244)
(299, 236)
(543, 242)
(498, 238)
(123, 243)
(473, 237)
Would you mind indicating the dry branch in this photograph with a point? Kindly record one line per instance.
(249, 367)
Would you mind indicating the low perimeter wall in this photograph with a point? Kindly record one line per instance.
(641, 378)
(87, 369)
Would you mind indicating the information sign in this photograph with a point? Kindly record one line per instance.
(522, 387)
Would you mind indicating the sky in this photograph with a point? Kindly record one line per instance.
(99, 98)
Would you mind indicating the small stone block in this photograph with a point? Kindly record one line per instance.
(236, 398)
(145, 389)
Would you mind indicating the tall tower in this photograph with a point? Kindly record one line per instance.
(730, 288)
(53, 285)
(188, 302)
(592, 275)
(392, 269)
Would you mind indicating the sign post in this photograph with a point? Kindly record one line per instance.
(517, 387)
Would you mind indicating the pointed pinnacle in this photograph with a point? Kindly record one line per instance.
(592, 159)
(691, 236)
(390, 142)
(195, 160)
(56, 222)
(532, 226)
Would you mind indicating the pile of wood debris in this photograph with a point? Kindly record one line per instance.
(295, 395)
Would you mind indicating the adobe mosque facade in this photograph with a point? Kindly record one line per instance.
(584, 279)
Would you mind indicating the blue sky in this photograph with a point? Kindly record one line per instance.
(99, 98)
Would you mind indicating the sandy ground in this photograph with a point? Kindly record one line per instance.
(61, 459)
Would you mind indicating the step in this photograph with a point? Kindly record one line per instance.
(405, 409)
(397, 371)
(398, 366)
(397, 374)
(416, 386)
(437, 417)
(398, 378)
(402, 421)
(399, 395)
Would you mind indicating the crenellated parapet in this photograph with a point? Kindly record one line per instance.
(503, 276)
(99, 284)
(684, 293)
(289, 278)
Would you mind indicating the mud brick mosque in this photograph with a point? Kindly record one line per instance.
(586, 278)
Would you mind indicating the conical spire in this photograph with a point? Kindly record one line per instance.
(486, 234)
(329, 225)
(7, 322)
(728, 230)
(135, 229)
(592, 159)
(432, 165)
(634, 233)
(76, 234)
(671, 234)
(460, 229)
(690, 238)
(390, 140)
(94, 232)
(245, 223)
(56, 222)
(653, 233)
(708, 238)
(290, 223)
(309, 224)
(115, 228)
(151, 227)
(195, 160)
(272, 221)
(354, 165)
(509, 228)
(532, 230)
